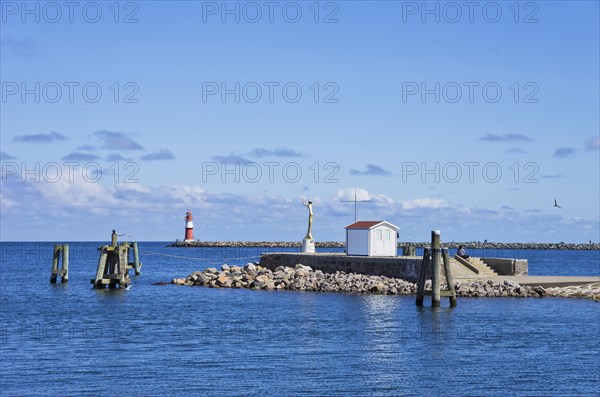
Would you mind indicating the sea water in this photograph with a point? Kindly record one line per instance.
(152, 340)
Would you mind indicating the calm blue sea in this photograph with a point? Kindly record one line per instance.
(59, 340)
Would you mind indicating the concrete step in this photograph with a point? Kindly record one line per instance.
(482, 267)
(460, 270)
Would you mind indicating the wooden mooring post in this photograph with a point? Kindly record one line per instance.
(449, 278)
(113, 265)
(60, 250)
(408, 250)
(422, 276)
(136, 264)
(436, 255)
(113, 238)
(435, 259)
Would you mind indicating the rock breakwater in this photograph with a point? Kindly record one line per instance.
(589, 291)
(304, 278)
(300, 277)
(342, 245)
(490, 288)
(253, 244)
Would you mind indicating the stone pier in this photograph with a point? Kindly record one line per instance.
(404, 267)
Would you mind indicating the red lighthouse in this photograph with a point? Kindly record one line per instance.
(189, 227)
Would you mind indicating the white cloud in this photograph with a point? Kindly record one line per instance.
(424, 203)
(348, 194)
(157, 213)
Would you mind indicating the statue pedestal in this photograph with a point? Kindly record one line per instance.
(308, 246)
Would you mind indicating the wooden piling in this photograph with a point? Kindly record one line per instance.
(101, 267)
(434, 260)
(61, 251)
(55, 257)
(113, 266)
(449, 278)
(408, 250)
(65, 264)
(113, 238)
(435, 268)
(422, 276)
(136, 258)
(123, 264)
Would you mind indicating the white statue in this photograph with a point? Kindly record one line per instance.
(308, 244)
(308, 204)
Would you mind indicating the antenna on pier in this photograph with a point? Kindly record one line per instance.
(355, 201)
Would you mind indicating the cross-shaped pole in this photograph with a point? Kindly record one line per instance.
(355, 201)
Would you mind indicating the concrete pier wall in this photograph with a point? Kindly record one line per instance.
(508, 267)
(404, 267)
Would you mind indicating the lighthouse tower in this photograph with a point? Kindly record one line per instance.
(189, 227)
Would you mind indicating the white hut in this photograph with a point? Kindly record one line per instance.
(371, 238)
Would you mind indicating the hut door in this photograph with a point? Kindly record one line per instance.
(378, 243)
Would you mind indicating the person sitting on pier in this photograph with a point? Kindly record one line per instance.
(462, 253)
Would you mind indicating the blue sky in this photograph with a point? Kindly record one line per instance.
(468, 120)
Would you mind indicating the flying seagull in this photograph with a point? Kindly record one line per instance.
(556, 204)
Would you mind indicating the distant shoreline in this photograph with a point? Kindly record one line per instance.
(340, 244)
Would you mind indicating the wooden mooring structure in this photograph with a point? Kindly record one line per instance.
(434, 257)
(114, 264)
(61, 251)
(409, 250)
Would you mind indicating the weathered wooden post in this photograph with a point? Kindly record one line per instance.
(136, 259)
(408, 250)
(101, 267)
(123, 264)
(113, 238)
(60, 251)
(422, 277)
(65, 263)
(449, 278)
(55, 258)
(113, 265)
(435, 259)
(435, 270)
